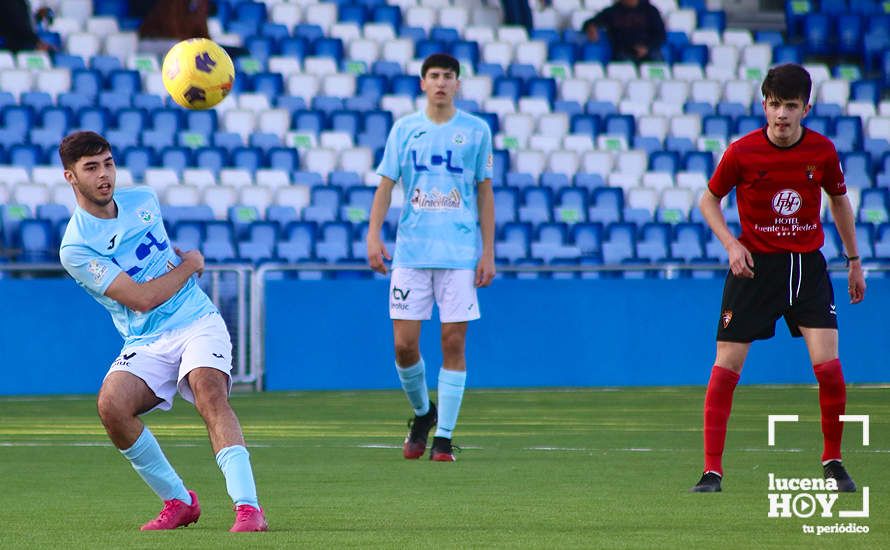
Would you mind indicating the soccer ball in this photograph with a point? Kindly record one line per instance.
(198, 73)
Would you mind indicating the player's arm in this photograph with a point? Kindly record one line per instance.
(740, 260)
(485, 269)
(845, 222)
(376, 249)
(143, 297)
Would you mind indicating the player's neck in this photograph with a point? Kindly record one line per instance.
(784, 142)
(106, 212)
(440, 114)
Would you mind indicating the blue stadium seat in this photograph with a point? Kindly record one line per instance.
(466, 51)
(542, 87)
(352, 13)
(573, 197)
(585, 124)
(68, 61)
(695, 53)
(865, 90)
(520, 180)
(137, 159)
(344, 179)
(820, 124)
(588, 181)
(653, 241)
(175, 158)
(505, 86)
(620, 125)
(415, 34)
(283, 158)
(104, 64)
(712, 20)
(718, 126)
(327, 104)
(699, 108)
(96, 119)
(446, 35)
(227, 141)
(554, 180)
(848, 130)
(699, 161)
(290, 103)
(388, 69)
(588, 237)
(537, 204)
(312, 179)
(607, 204)
(25, 155)
(491, 119)
(334, 242)
(664, 161)
(747, 124)
(873, 205)
(58, 119)
(86, 82)
(731, 109)
(506, 204)
(849, 34)
(562, 52)
(282, 215)
(620, 243)
(570, 108)
(54, 213)
(261, 48)
(17, 122)
(328, 47)
(211, 158)
(857, 169)
(500, 166)
(787, 53)
(324, 205)
(491, 70)
(515, 241)
(269, 84)
(298, 243)
(294, 46)
(308, 121)
(247, 158)
(250, 11)
(373, 86)
(817, 29)
(427, 47)
(598, 52)
(115, 101)
(187, 234)
(346, 121)
(387, 14)
(36, 100)
(37, 241)
(405, 84)
(276, 31)
(148, 102)
(308, 32)
(124, 81)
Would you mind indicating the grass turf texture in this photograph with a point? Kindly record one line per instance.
(555, 469)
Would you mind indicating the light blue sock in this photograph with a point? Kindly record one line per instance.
(451, 393)
(234, 462)
(152, 466)
(414, 383)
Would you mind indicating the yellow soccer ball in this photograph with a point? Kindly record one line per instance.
(198, 73)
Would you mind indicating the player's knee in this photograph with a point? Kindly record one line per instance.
(112, 410)
(407, 353)
(453, 344)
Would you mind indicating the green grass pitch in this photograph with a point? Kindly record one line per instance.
(579, 468)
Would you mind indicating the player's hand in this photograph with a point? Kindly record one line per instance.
(856, 280)
(485, 270)
(376, 253)
(193, 258)
(741, 262)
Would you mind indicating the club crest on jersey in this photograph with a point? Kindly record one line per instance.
(458, 139)
(97, 270)
(145, 215)
(726, 317)
(786, 202)
(811, 171)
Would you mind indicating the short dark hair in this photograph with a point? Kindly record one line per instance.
(787, 81)
(81, 144)
(440, 61)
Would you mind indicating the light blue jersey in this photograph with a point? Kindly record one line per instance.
(439, 165)
(94, 251)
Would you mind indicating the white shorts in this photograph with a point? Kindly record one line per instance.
(411, 293)
(165, 363)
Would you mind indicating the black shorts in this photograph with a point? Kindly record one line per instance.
(791, 285)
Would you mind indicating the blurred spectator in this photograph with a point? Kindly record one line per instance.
(167, 22)
(634, 28)
(17, 26)
(517, 12)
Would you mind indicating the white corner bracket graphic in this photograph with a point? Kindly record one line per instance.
(857, 418)
(772, 419)
(857, 513)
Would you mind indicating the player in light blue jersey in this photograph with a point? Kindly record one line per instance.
(116, 248)
(443, 158)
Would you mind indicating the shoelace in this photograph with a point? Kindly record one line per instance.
(243, 513)
(167, 511)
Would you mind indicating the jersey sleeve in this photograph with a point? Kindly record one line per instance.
(93, 271)
(389, 165)
(485, 158)
(726, 175)
(833, 175)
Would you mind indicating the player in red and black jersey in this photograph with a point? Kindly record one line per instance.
(776, 268)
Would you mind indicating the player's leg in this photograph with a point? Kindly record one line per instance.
(822, 344)
(122, 398)
(718, 405)
(410, 302)
(458, 304)
(205, 380)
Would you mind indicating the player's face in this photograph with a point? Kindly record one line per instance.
(440, 85)
(93, 178)
(783, 118)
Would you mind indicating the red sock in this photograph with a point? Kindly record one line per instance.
(833, 402)
(718, 403)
